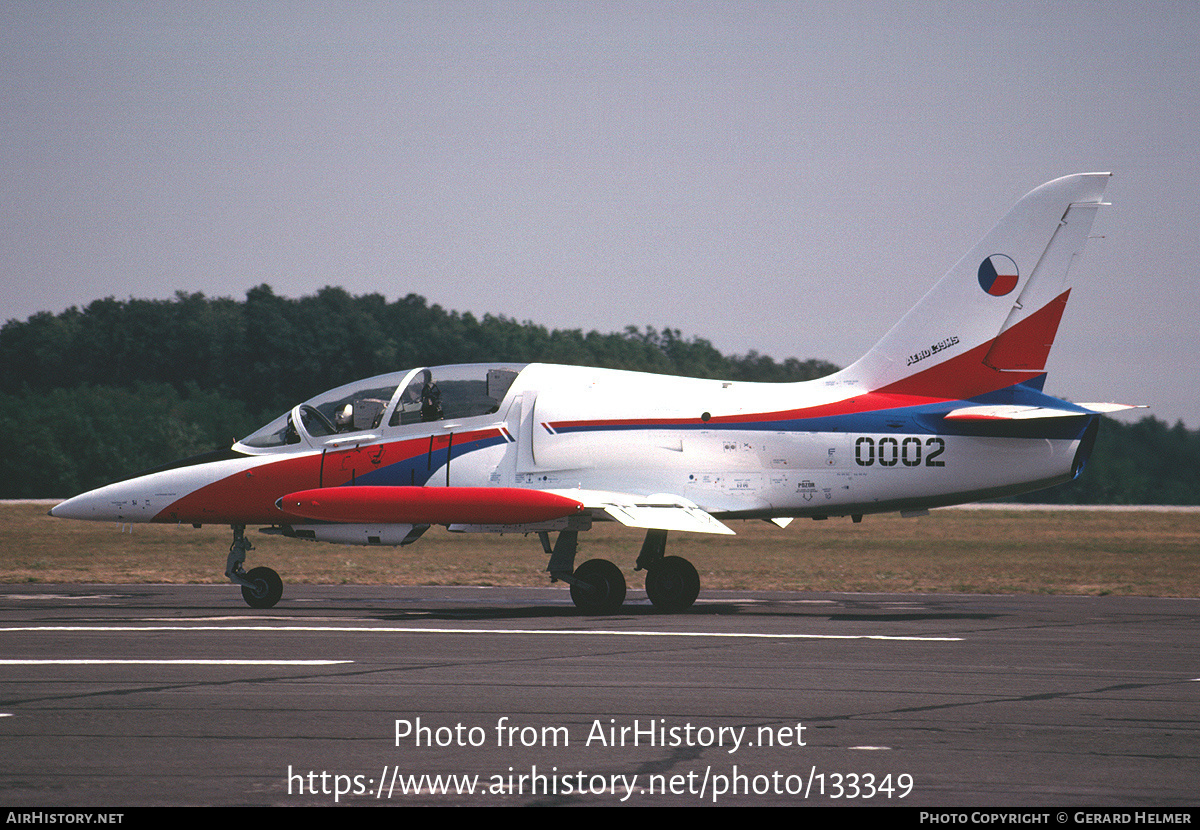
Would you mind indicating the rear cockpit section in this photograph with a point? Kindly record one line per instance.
(414, 396)
(463, 391)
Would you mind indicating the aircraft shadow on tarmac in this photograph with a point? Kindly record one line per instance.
(710, 609)
(172, 601)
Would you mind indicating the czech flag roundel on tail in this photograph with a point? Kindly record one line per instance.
(998, 275)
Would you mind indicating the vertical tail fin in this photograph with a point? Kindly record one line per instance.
(990, 321)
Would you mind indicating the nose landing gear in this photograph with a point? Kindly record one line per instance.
(261, 587)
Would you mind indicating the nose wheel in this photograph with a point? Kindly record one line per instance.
(265, 588)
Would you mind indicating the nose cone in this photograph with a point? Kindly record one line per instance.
(116, 502)
(81, 507)
(156, 495)
(138, 499)
(65, 509)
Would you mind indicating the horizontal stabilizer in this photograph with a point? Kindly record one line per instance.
(1105, 408)
(661, 511)
(1009, 412)
(428, 505)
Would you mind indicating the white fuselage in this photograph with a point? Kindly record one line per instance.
(734, 449)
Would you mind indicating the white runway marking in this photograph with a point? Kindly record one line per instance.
(234, 662)
(59, 596)
(344, 629)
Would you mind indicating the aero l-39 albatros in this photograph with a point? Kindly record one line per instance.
(947, 408)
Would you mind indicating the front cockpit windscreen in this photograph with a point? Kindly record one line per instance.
(410, 397)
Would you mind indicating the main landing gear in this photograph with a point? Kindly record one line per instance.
(672, 583)
(598, 587)
(261, 587)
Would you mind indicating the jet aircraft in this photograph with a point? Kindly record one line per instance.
(947, 408)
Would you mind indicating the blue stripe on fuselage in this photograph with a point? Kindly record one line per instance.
(926, 418)
(418, 469)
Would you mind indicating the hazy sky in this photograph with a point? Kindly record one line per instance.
(784, 177)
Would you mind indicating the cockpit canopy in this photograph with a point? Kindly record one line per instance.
(412, 396)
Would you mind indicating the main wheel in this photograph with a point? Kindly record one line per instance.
(267, 590)
(602, 590)
(672, 584)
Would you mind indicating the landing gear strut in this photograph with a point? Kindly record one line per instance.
(597, 586)
(261, 587)
(672, 583)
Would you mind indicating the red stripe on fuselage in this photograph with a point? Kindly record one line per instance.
(248, 497)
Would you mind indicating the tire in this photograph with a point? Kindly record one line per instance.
(603, 588)
(672, 584)
(267, 590)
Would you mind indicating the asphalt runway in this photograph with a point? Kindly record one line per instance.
(129, 695)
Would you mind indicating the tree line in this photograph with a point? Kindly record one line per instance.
(98, 393)
(91, 395)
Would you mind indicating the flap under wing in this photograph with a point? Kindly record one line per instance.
(661, 511)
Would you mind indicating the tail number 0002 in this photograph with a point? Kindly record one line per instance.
(888, 452)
